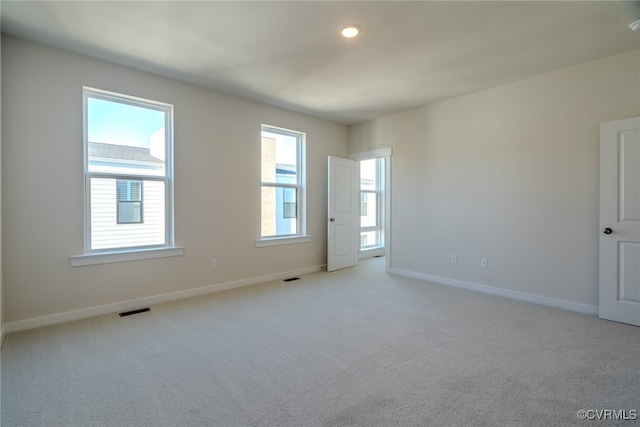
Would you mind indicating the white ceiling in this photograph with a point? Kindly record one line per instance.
(290, 54)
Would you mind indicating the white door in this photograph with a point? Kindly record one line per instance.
(343, 218)
(620, 221)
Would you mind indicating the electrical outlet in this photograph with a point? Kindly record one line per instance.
(213, 263)
(453, 259)
(484, 263)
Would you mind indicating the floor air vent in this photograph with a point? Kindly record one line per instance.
(291, 279)
(129, 313)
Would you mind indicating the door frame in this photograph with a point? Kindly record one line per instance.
(386, 154)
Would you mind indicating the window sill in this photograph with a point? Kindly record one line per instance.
(122, 256)
(274, 241)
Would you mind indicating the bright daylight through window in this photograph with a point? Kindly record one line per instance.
(128, 173)
(371, 204)
(282, 166)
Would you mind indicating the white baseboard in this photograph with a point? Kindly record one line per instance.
(85, 313)
(370, 253)
(522, 296)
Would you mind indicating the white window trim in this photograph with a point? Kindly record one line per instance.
(282, 240)
(128, 255)
(91, 257)
(301, 237)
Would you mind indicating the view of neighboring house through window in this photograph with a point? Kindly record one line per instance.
(371, 204)
(129, 202)
(289, 205)
(282, 171)
(128, 173)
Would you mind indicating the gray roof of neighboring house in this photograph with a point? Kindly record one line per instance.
(286, 169)
(121, 152)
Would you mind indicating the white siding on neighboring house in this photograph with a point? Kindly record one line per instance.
(284, 226)
(106, 233)
(132, 163)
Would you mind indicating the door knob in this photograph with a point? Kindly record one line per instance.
(607, 230)
(332, 219)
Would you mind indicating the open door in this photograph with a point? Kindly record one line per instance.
(620, 221)
(343, 219)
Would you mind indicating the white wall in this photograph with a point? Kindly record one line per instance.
(510, 174)
(217, 185)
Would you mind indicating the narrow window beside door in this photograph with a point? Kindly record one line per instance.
(371, 204)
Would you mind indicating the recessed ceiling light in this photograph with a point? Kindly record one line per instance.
(635, 25)
(350, 31)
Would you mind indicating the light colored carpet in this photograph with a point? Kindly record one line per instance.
(355, 347)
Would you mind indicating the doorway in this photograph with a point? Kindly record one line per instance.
(375, 204)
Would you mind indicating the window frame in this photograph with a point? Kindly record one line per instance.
(300, 188)
(167, 248)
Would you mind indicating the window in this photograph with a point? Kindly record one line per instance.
(282, 171)
(129, 196)
(371, 204)
(128, 173)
